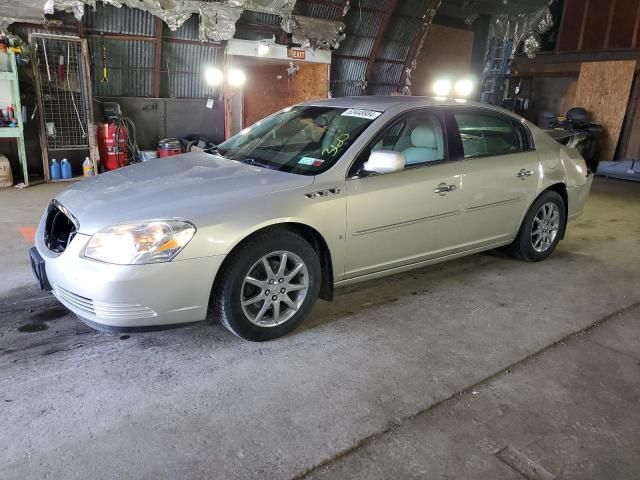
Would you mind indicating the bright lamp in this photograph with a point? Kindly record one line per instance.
(236, 78)
(464, 87)
(213, 76)
(442, 87)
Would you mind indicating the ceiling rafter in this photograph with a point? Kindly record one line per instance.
(379, 39)
(416, 46)
(358, 57)
(340, 7)
(343, 4)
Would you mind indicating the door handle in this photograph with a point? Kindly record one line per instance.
(524, 173)
(443, 189)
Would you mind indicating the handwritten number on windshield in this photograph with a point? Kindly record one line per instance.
(335, 148)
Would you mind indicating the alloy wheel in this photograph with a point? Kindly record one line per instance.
(546, 225)
(274, 289)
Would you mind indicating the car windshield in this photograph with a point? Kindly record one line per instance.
(306, 140)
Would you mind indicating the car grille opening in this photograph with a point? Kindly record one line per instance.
(60, 228)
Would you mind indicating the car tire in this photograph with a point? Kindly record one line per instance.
(542, 228)
(245, 278)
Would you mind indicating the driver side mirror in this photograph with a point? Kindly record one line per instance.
(385, 161)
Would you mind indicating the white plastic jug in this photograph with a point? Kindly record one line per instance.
(6, 177)
(87, 168)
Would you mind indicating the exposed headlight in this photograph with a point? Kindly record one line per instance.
(152, 241)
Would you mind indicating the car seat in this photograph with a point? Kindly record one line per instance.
(426, 145)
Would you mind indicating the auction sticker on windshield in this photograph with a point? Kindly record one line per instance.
(358, 113)
(313, 162)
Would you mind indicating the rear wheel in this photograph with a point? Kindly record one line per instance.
(541, 229)
(268, 286)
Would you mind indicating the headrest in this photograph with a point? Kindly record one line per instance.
(424, 137)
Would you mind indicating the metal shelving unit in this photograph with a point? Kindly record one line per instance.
(16, 132)
(63, 84)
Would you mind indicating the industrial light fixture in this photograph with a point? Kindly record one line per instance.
(442, 87)
(262, 49)
(213, 76)
(236, 77)
(464, 87)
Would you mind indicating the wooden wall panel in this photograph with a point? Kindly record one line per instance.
(265, 93)
(595, 25)
(446, 52)
(623, 24)
(603, 90)
(590, 25)
(571, 25)
(630, 136)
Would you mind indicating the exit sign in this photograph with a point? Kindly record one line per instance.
(296, 53)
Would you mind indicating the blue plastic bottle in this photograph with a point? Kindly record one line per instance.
(65, 167)
(54, 170)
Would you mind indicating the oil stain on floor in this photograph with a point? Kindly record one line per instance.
(33, 327)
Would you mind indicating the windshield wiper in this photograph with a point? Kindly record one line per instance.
(253, 161)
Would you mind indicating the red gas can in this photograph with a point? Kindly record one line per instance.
(112, 145)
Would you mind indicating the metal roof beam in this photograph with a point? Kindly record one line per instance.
(357, 57)
(382, 30)
(343, 5)
(416, 46)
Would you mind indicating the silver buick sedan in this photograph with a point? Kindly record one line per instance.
(316, 196)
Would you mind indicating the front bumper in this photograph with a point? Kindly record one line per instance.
(125, 297)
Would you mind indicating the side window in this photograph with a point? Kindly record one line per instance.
(390, 137)
(485, 134)
(523, 136)
(419, 136)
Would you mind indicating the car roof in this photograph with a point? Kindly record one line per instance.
(382, 103)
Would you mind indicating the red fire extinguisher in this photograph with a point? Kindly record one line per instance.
(112, 144)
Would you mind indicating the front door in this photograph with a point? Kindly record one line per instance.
(404, 217)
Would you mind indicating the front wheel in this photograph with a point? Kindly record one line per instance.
(541, 228)
(268, 286)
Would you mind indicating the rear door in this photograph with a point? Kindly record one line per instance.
(500, 174)
(404, 217)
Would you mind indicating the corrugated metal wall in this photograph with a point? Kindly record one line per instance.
(257, 25)
(128, 38)
(365, 22)
(119, 20)
(182, 68)
(129, 67)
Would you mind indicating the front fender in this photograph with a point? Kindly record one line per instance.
(326, 215)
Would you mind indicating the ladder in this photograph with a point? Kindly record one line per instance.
(495, 71)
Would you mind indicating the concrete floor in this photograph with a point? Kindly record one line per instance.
(469, 369)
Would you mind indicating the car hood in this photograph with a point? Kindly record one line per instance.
(191, 186)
